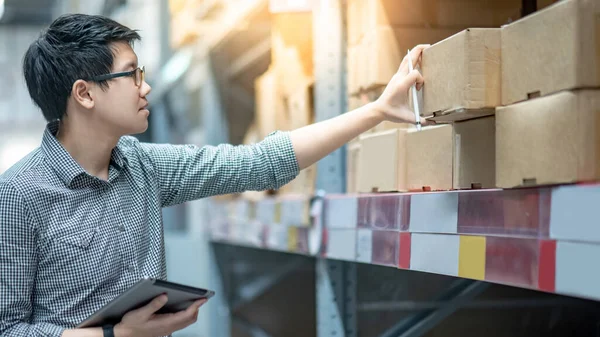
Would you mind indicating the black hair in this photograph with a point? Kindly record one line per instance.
(75, 46)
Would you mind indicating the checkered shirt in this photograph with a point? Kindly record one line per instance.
(71, 242)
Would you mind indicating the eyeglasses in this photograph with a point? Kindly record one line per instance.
(138, 75)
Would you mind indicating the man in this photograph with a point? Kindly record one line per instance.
(80, 217)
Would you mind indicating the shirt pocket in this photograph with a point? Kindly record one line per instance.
(81, 240)
(80, 260)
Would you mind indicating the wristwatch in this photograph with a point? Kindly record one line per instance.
(108, 331)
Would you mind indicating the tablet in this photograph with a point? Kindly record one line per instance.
(179, 298)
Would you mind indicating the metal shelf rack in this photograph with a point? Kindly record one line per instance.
(541, 238)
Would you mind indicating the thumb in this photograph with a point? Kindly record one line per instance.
(413, 77)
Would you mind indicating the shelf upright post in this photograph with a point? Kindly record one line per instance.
(336, 280)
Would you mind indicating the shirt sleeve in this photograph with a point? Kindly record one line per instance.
(18, 264)
(188, 172)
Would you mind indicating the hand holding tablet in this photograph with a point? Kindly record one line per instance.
(145, 301)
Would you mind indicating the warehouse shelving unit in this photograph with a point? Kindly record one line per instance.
(541, 238)
(538, 238)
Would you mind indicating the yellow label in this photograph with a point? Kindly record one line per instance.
(277, 212)
(292, 239)
(471, 263)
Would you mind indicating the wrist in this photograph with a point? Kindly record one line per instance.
(377, 111)
(121, 331)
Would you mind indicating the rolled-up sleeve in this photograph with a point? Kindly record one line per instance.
(188, 172)
(18, 263)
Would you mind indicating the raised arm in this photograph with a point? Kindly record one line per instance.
(186, 172)
(313, 142)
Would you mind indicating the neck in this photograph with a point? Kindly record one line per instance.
(89, 146)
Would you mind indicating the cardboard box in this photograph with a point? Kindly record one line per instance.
(456, 156)
(354, 103)
(382, 51)
(475, 153)
(303, 184)
(366, 15)
(462, 72)
(300, 107)
(552, 139)
(382, 165)
(292, 50)
(429, 157)
(541, 4)
(384, 126)
(555, 49)
(352, 165)
(270, 106)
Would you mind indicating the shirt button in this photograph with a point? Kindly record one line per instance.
(121, 228)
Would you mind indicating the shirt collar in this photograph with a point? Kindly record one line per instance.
(61, 161)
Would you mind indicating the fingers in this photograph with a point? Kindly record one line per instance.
(415, 55)
(414, 77)
(195, 306)
(425, 122)
(182, 319)
(152, 307)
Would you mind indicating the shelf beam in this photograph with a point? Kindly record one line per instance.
(461, 292)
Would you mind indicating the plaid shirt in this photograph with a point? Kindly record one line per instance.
(71, 242)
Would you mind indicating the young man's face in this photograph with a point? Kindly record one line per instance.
(122, 108)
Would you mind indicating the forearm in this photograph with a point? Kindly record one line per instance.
(315, 141)
(31, 330)
(119, 331)
(89, 332)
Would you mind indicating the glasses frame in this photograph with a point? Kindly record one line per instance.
(131, 73)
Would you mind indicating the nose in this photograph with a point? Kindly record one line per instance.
(145, 89)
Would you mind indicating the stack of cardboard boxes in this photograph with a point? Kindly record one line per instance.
(284, 94)
(431, 157)
(548, 130)
(519, 105)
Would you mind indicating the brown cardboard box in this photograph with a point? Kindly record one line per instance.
(304, 183)
(552, 139)
(352, 64)
(352, 165)
(446, 157)
(300, 107)
(354, 103)
(292, 50)
(475, 153)
(463, 72)
(429, 157)
(355, 22)
(541, 4)
(382, 51)
(554, 49)
(366, 15)
(270, 108)
(384, 126)
(382, 161)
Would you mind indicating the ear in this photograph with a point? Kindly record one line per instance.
(82, 94)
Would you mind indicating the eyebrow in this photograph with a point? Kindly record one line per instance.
(130, 64)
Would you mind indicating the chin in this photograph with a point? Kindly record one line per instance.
(140, 129)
